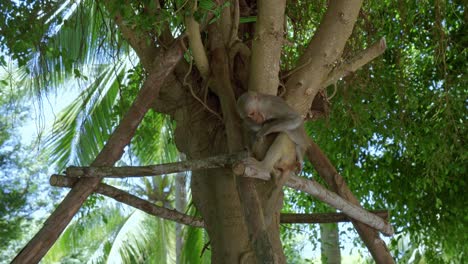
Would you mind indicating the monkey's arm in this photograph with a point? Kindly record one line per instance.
(283, 124)
(251, 125)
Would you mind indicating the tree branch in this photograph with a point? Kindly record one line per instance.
(195, 42)
(336, 183)
(266, 46)
(145, 50)
(324, 50)
(323, 218)
(354, 211)
(263, 77)
(221, 161)
(361, 59)
(315, 189)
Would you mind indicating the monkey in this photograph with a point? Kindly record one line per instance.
(266, 114)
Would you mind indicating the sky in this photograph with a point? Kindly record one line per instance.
(43, 115)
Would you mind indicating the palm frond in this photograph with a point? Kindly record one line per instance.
(144, 239)
(153, 141)
(196, 245)
(65, 37)
(82, 128)
(95, 231)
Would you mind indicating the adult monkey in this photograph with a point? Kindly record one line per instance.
(266, 114)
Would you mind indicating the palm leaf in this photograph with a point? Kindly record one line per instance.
(85, 238)
(79, 34)
(82, 128)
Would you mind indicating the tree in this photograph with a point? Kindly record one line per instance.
(23, 173)
(14, 190)
(228, 48)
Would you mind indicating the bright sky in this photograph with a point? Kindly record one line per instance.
(43, 115)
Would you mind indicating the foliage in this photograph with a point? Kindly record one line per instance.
(23, 197)
(115, 235)
(397, 129)
(197, 245)
(13, 190)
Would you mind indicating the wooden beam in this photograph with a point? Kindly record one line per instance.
(132, 200)
(221, 161)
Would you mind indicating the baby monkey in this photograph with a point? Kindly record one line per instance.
(266, 114)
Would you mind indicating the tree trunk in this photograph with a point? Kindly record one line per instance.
(330, 244)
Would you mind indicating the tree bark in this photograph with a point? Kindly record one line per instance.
(324, 218)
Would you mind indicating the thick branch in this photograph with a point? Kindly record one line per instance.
(221, 161)
(323, 218)
(337, 184)
(195, 42)
(361, 59)
(253, 215)
(266, 46)
(112, 151)
(323, 51)
(263, 77)
(145, 50)
(354, 211)
(132, 200)
(315, 189)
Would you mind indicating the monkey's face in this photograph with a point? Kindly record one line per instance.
(256, 116)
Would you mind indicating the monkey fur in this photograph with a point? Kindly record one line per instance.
(266, 114)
